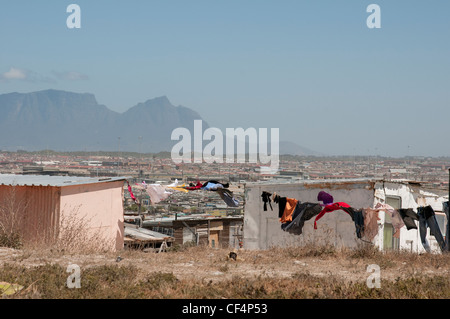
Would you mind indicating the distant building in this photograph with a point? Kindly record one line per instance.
(49, 204)
(201, 230)
(41, 170)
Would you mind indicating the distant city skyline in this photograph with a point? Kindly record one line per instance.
(313, 69)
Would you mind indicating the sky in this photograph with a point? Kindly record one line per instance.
(313, 69)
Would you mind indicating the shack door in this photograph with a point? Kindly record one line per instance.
(214, 238)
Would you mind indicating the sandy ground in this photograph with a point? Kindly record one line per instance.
(203, 263)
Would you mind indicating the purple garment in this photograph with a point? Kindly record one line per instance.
(325, 198)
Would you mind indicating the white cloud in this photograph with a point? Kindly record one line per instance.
(31, 76)
(15, 74)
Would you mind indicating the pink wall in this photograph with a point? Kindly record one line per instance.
(41, 212)
(100, 206)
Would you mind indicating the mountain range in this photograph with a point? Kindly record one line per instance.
(68, 121)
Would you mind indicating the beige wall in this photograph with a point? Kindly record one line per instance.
(40, 212)
(100, 206)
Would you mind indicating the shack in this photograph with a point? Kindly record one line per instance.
(201, 229)
(45, 208)
(262, 226)
(147, 240)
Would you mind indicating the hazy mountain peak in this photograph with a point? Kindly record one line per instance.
(62, 120)
(161, 101)
(68, 121)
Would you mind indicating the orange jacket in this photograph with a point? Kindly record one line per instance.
(288, 210)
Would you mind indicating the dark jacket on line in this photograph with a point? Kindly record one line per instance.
(303, 212)
(409, 216)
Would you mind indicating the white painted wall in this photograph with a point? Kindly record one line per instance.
(410, 198)
(262, 229)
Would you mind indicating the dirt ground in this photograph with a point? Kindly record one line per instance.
(204, 263)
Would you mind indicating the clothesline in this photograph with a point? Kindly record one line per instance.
(293, 213)
(158, 192)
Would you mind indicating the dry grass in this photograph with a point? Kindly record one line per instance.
(12, 216)
(74, 235)
(117, 282)
(201, 272)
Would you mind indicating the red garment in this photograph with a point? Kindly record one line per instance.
(330, 208)
(131, 193)
(192, 188)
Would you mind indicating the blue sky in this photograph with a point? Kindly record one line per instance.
(313, 69)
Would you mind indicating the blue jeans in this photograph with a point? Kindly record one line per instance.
(427, 219)
(359, 222)
(447, 231)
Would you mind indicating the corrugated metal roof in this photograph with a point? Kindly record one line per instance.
(55, 181)
(168, 221)
(144, 234)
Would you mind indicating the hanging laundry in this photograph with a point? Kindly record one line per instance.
(142, 185)
(266, 199)
(408, 215)
(370, 223)
(396, 219)
(223, 185)
(194, 187)
(281, 201)
(330, 208)
(286, 207)
(157, 193)
(324, 197)
(303, 212)
(177, 187)
(427, 219)
(180, 188)
(211, 186)
(174, 184)
(297, 212)
(445, 208)
(289, 208)
(349, 210)
(131, 193)
(358, 218)
(221, 189)
(227, 197)
(292, 215)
